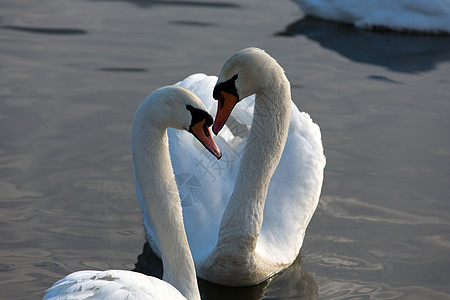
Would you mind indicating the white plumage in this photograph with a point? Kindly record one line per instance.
(111, 284)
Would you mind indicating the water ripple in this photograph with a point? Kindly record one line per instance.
(344, 207)
(146, 3)
(123, 69)
(47, 30)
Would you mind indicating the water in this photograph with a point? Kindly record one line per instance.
(72, 74)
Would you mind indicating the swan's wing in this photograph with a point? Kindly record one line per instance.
(202, 85)
(111, 284)
(294, 191)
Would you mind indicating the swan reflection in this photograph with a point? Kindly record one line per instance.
(292, 283)
(409, 53)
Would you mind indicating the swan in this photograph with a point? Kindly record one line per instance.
(246, 215)
(432, 16)
(179, 108)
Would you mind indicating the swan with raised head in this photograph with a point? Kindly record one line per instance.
(178, 108)
(246, 215)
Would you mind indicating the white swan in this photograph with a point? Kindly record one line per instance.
(431, 16)
(173, 107)
(246, 215)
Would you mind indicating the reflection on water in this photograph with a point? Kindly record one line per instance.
(42, 30)
(344, 290)
(131, 70)
(193, 23)
(397, 52)
(148, 3)
(292, 283)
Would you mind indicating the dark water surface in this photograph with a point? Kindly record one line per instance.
(72, 74)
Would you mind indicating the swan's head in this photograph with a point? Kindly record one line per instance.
(179, 108)
(245, 73)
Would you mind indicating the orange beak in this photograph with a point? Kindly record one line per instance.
(225, 105)
(202, 133)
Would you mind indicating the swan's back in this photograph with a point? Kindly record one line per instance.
(111, 284)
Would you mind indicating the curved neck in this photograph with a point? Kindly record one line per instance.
(155, 178)
(242, 219)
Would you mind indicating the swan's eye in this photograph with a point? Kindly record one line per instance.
(222, 101)
(228, 86)
(199, 115)
(205, 129)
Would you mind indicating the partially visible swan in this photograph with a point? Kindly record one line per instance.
(178, 108)
(431, 16)
(246, 215)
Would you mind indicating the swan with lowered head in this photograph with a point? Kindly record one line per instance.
(246, 215)
(178, 108)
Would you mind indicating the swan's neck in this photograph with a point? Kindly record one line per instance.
(154, 175)
(242, 219)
